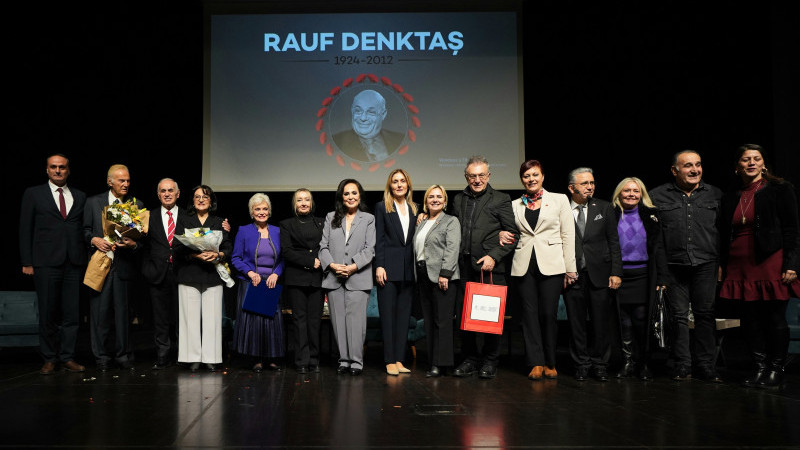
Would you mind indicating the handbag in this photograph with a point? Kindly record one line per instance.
(660, 321)
(484, 307)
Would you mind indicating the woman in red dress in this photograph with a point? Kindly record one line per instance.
(759, 231)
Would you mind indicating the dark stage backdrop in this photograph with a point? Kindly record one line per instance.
(618, 88)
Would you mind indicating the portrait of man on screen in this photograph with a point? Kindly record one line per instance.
(367, 140)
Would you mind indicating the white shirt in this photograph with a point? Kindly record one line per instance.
(419, 242)
(111, 198)
(575, 209)
(402, 212)
(67, 196)
(165, 217)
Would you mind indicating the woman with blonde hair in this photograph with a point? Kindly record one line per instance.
(395, 222)
(644, 271)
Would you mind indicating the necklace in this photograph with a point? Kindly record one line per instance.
(748, 201)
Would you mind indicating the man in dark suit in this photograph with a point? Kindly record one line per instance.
(51, 248)
(482, 213)
(115, 291)
(368, 141)
(599, 260)
(159, 270)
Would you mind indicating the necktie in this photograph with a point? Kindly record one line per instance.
(62, 204)
(116, 201)
(581, 219)
(170, 231)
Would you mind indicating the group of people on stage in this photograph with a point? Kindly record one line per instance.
(608, 260)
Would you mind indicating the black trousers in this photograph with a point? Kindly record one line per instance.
(695, 286)
(164, 298)
(581, 299)
(112, 299)
(539, 294)
(438, 309)
(394, 307)
(58, 293)
(306, 303)
(490, 352)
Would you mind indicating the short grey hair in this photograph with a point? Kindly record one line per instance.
(476, 159)
(167, 179)
(258, 199)
(682, 152)
(574, 172)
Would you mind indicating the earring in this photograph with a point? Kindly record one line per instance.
(763, 170)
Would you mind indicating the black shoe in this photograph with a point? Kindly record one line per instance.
(581, 374)
(761, 370)
(194, 367)
(162, 364)
(466, 369)
(773, 379)
(433, 373)
(258, 367)
(488, 372)
(600, 374)
(645, 374)
(313, 368)
(682, 374)
(211, 367)
(127, 365)
(342, 370)
(707, 374)
(301, 369)
(103, 367)
(627, 370)
(355, 372)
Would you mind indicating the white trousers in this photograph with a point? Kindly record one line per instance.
(199, 323)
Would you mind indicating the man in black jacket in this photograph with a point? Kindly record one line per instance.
(159, 270)
(483, 213)
(599, 260)
(689, 210)
(115, 291)
(51, 248)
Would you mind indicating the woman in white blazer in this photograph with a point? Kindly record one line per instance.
(436, 243)
(346, 252)
(544, 261)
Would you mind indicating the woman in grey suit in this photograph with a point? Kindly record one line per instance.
(346, 252)
(436, 243)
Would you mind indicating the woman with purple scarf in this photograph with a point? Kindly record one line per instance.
(644, 272)
(256, 257)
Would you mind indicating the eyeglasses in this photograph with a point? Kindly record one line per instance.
(477, 176)
(201, 197)
(585, 183)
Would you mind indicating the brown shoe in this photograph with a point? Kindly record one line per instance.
(550, 372)
(536, 373)
(72, 366)
(48, 368)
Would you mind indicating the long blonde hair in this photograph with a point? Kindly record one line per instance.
(645, 196)
(388, 198)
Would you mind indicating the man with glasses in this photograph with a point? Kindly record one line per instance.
(368, 141)
(482, 213)
(599, 260)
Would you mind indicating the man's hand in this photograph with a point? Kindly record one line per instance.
(125, 242)
(487, 263)
(27, 270)
(614, 282)
(101, 244)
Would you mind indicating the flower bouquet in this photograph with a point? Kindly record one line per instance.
(118, 220)
(205, 240)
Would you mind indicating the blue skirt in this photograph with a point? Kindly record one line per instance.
(257, 335)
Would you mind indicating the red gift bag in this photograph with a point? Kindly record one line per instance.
(484, 307)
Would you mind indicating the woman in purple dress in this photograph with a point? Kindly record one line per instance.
(644, 271)
(257, 257)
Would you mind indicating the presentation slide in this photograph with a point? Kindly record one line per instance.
(306, 100)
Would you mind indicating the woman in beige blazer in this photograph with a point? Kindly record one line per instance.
(544, 261)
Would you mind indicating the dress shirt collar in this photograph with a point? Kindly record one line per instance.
(53, 187)
(111, 198)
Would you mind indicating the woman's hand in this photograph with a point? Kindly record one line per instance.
(443, 283)
(206, 256)
(380, 276)
(317, 264)
(570, 278)
(272, 280)
(255, 278)
(788, 276)
(421, 217)
(506, 238)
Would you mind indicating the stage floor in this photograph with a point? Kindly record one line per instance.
(236, 408)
